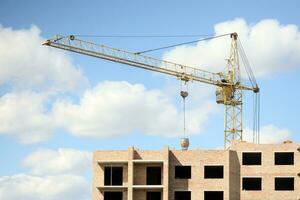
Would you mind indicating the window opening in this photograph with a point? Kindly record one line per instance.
(253, 183)
(284, 183)
(182, 195)
(153, 175)
(213, 195)
(113, 175)
(213, 172)
(284, 158)
(182, 172)
(251, 158)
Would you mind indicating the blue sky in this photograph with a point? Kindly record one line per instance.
(279, 84)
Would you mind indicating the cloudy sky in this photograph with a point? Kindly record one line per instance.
(57, 107)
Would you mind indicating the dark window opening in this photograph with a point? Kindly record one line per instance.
(107, 176)
(251, 183)
(284, 158)
(113, 175)
(113, 195)
(182, 195)
(252, 158)
(153, 175)
(213, 195)
(182, 172)
(284, 183)
(213, 171)
(153, 195)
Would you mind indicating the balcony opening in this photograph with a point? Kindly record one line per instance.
(113, 195)
(251, 158)
(286, 183)
(153, 175)
(182, 195)
(252, 183)
(284, 158)
(213, 172)
(182, 172)
(213, 195)
(153, 195)
(113, 175)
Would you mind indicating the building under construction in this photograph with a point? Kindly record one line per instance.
(246, 171)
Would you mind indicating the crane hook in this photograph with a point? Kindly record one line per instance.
(184, 94)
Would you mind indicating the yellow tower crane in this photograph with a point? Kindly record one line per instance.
(229, 84)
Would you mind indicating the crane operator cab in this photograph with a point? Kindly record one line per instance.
(225, 95)
(219, 96)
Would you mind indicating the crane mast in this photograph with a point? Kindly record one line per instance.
(233, 98)
(229, 85)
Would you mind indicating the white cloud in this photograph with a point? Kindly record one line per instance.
(30, 72)
(25, 63)
(109, 109)
(269, 134)
(270, 46)
(54, 175)
(24, 116)
(25, 187)
(117, 108)
(61, 161)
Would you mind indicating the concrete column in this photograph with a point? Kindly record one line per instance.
(166, 174)
(234, 177)
(130, 173)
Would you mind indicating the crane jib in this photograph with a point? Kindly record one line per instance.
(181, 75)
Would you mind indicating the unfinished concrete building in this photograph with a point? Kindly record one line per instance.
(245, 172)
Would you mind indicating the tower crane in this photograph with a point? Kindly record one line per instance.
(229, 85)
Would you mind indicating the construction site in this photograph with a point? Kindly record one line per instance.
(245, 171)
(241, 171)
